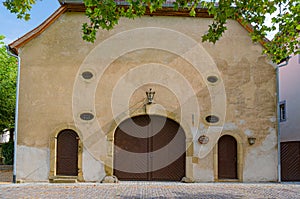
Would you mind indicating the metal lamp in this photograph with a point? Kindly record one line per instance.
(251, 140)
(150, 95)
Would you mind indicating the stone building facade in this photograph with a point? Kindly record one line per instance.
(84, 114)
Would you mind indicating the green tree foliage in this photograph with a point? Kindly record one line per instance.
(285, 14)
(8, 78)
(8, 153)
(20, 7)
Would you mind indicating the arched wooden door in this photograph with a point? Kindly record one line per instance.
(67, 153)
(149, 148)
(227, 157)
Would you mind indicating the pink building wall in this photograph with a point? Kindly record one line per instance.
(289, 90)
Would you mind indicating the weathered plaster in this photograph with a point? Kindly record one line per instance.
(202, 169)
(259, 156)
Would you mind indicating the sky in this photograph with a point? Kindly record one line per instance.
(13, 28)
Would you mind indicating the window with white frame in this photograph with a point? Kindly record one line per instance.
(282, 109)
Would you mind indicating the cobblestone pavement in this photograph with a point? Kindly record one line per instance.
(126, 190)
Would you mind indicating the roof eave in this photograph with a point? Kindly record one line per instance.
(250, 29)
(14, 46)
(63, 2)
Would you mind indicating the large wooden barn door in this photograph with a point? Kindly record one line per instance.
(149, 148)
(67, 153)
(130, 139)
(290, 161)
(227, 157)
(168, 140)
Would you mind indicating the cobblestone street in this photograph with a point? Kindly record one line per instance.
(150, 190)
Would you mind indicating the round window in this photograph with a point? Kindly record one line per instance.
(86, 116)
(212, 119)
(212, 79)
(87, 75)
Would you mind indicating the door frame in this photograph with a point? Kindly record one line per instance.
(109, 164)
(240, 161)
(53, 151)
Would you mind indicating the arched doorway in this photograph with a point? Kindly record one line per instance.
(227, 157)
(149, 148)
(67, 153)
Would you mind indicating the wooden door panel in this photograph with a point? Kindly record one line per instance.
(131, 149)
(175, 171)
(290, 161)
(227, 158)
(168, 146)
(67, 153)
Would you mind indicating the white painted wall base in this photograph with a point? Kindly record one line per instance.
(93, 170)
(33, 164)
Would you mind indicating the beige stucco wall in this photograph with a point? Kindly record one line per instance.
(166, 54)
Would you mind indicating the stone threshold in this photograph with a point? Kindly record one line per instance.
(63, 179)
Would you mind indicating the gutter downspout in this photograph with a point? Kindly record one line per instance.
(16, 114)
(278, 117)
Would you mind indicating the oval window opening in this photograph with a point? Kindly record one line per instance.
(86, 116)
(212, 79)
(87, 75)
(212, 119)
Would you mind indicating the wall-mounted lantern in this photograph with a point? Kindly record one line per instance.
(150, 96)
(251, 140)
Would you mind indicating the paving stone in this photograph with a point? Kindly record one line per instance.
(156, 190)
